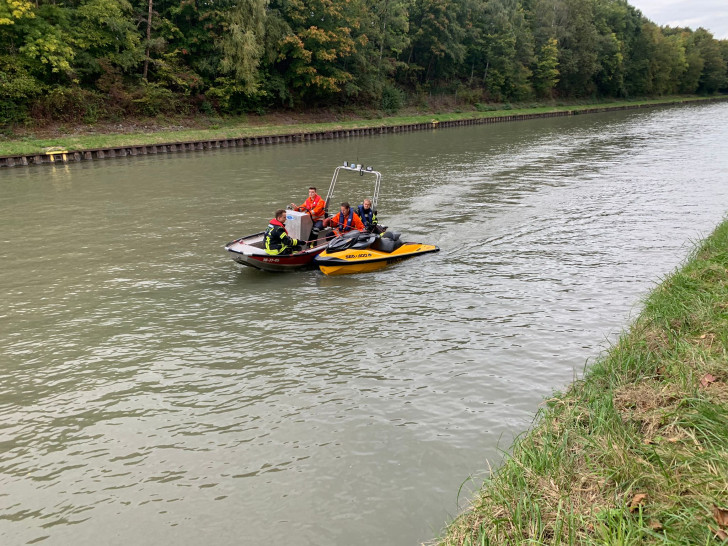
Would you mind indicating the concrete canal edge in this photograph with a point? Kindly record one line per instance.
(59, 155)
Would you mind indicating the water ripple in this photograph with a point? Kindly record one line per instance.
(150, 390)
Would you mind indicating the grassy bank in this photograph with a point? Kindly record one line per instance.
(636, 452)
(27, 141)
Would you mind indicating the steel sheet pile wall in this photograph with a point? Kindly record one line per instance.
(244, 142)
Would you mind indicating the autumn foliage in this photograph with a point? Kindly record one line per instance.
(235, 56)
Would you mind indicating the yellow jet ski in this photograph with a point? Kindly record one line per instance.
(357, 252)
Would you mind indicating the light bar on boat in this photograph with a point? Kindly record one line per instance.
(353, 166)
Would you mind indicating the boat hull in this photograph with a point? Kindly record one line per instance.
(248, 251)
(364, 260)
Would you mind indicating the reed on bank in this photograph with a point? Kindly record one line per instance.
(83, 138)
(637, 451)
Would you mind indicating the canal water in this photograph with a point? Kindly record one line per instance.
(154, 392)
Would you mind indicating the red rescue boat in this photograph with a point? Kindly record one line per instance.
(250, 250)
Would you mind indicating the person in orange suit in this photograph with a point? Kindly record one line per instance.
(346, 220)
(315, 206)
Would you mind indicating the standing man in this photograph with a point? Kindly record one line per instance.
(315, 206)
(346, 220)
(277, 241)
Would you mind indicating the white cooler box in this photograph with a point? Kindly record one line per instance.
(298, 224)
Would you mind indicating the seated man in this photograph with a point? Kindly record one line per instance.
(346, 220)
(277, 241)
(369, 217)
(314, 205)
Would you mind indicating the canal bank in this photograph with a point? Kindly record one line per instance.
(70, 149)
(637, 451)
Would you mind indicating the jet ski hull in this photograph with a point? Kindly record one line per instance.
(368, 259)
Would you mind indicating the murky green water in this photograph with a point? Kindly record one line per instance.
(153, 392)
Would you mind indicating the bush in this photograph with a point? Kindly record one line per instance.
(392, 99)
(232, 98)
(207, 108)
(118, 101)
(71, 104)
(17, 89)
(469, 95)
(480, 107)
(152, 100)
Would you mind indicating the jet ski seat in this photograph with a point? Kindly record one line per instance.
(388, 242)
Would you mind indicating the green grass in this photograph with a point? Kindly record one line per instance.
(11, 146)
(649, 418)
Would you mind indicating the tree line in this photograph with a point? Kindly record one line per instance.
(105, 59)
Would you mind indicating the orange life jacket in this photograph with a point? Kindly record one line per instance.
(314, 207)
(348, 223)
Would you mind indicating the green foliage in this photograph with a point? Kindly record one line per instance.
(17, 89)
(468, 95)
(103, 31)
(616, 24)
(244, 55)
(510, 49)
(480, 107)
(662, 62)
(578, 60)
(392, 99)
(387, 33)
(314, 46)
(207, 108)
(232, 97)
(13, 10)
(690, 79)
(437, 39)
(242, 42)
(68, 104)
(153, 99)
(170, 72)
(47, 42)
(713, 75)
(723, 44)
(546, 72)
